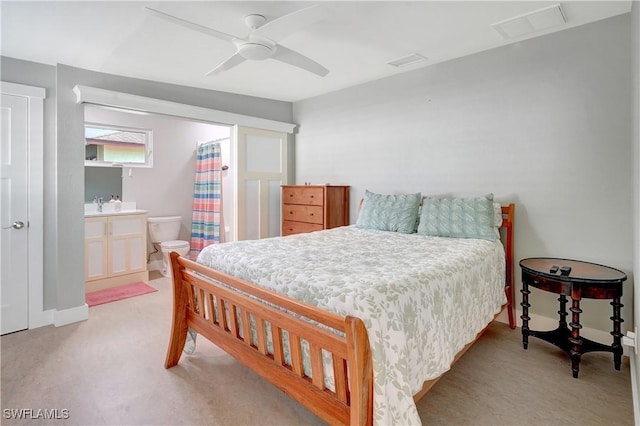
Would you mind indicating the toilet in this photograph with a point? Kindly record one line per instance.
(164, 231)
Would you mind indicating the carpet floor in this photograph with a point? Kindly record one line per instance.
(109, 371)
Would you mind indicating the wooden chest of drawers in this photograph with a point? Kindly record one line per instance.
(307, 208)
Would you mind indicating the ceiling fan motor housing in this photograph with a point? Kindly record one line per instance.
(255, 48)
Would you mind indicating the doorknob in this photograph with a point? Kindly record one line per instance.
(15, 225)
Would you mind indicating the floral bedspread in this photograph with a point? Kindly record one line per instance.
(421, 298)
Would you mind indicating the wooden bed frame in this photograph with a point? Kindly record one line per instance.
(200, 301)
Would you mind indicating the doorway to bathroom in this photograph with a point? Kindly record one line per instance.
(164, 188)
(251, 138)
(256, 163)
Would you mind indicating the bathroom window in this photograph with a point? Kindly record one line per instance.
(117, 146)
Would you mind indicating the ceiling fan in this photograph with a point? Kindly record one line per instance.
(262, 41)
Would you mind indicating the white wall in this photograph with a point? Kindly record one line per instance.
(167, 188)
(542, 123)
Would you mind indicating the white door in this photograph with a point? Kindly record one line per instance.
(261, 166)
(14, 247)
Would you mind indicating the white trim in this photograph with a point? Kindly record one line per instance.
(38, 317)
(22, 90)
(93, 95)
(71, 315)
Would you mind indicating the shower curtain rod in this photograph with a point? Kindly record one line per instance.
(224, 167)
(213, 141)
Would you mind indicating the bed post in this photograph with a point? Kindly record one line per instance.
(360, 372)
(179, 327)
(507, 223)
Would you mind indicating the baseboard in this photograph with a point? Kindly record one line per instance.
(40, 318)
(539, 322)
(71, 315)
(635, 382)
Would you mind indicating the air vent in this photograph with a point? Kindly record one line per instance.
(407, 60)
(531, 22)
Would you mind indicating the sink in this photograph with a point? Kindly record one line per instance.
(113, 213)
(108, 209)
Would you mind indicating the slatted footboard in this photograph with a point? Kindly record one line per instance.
(230, 317)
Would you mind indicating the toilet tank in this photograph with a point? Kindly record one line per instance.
(165, 228)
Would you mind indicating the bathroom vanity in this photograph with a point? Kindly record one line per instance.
(115, 248)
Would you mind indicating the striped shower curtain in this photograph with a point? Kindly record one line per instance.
(207, 199)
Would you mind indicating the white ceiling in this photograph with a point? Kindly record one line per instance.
(354, 43)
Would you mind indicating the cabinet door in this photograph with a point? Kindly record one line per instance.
(95, 248)
(127, 244)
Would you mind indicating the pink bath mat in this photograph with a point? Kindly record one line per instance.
(118, 293)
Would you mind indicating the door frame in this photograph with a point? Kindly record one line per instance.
(37, 316)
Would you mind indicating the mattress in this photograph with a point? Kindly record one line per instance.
(421, 298)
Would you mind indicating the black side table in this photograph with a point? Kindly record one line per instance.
(577, 280)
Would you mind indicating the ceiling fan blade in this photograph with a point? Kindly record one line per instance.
(191, 25)
(291, 57)
(234, 60)
(281, 27)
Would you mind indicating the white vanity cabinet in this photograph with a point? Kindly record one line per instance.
(115, 250)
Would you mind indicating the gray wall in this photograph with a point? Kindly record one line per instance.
(64, 157)
(635, 55)
(542, 123)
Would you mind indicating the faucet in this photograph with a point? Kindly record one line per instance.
(100, 202)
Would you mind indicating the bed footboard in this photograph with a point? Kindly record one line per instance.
(243, 319)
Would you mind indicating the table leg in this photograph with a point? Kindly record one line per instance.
(616, 348)
(562, 323)
(525, 313)
(575, 340)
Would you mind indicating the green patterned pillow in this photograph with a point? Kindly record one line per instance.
(397, 213)
(458, 217)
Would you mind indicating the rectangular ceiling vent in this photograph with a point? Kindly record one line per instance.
(531, 22)
(407, 60)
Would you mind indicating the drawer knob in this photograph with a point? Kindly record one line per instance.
(291, 195)
(290, 212)
(311, 214)
(312, 196)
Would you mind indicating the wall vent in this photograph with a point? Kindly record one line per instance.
(407, 60)
(531, 22)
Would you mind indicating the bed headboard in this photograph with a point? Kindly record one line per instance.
(508, 215)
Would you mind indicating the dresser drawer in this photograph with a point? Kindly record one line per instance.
(300, 213)
(303, 195)
(290, 227)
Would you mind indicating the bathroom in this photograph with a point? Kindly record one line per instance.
(166, 188)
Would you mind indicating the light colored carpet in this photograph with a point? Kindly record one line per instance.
(109, 371)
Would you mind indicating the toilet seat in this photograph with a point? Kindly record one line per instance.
(179, 246)
(174, 245)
